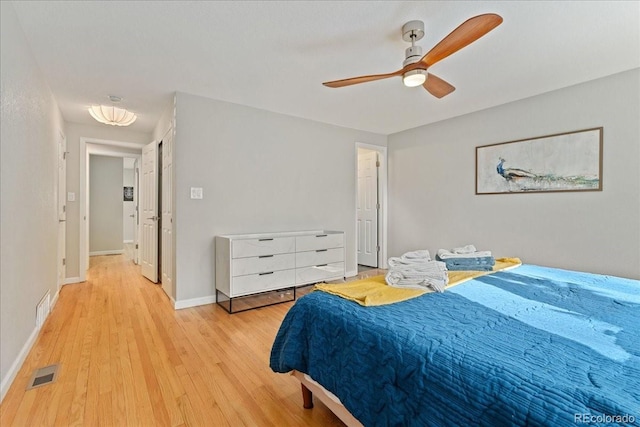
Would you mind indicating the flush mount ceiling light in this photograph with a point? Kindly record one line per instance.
(112, 115)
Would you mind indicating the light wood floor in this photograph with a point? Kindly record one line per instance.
(127, 358)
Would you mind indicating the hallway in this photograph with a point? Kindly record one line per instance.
(127, 358)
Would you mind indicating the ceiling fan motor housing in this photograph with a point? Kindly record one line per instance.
(412, 54)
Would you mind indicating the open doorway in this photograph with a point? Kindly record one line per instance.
(371, 202)
(116, 151)
(130, 208)
(105, 205)
(112, 206)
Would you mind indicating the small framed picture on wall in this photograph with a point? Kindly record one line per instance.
(128, 194)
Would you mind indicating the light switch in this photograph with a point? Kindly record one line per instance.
(71, 197)
(196, 192)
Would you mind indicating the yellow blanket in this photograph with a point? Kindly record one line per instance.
(375, 291)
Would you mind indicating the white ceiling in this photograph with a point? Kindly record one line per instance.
(274, 55)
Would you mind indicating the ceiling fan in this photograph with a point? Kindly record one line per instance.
(414, 69)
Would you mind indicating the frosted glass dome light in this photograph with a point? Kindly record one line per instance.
(111, 115)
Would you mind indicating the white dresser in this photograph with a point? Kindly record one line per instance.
(248, 264)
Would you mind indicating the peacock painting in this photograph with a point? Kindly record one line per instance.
(564, 162)
(525, 180)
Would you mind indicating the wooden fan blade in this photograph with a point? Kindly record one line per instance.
(468, 32)
(437, 87)
(361, 79)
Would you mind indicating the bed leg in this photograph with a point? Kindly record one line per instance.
(307, 397)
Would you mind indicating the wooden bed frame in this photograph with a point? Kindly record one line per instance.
(310, 387)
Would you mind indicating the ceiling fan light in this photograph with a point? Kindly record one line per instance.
(414, 78)
(113, 116)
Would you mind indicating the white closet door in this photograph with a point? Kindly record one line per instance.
(149, 211)
(62, 209)
(167, 214)
(367, 219)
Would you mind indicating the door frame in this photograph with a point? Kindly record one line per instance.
(382, 199)
(102, 147)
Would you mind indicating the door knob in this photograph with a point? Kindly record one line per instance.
(153, 218)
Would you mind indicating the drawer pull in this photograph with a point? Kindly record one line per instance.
(321, 235)
(264, 274)
(265, 256)
(321, 265)
(264, 240)
(321, 250)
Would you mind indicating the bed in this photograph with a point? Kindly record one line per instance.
(525, 347)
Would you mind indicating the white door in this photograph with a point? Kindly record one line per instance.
(367, 208)
(136, 216)
(149, 212)
(62, 209)
(166, 264)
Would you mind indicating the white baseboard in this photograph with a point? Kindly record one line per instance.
(70, 280)
(54, 300)
(127, 241)
(17, 364)
(114, 252)
(193, 302)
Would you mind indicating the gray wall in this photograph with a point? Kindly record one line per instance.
(432, 183)
(261, 172)
(76, 131)
(105, 204)
(30, 124)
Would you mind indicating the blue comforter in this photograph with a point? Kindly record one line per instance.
(532, 346)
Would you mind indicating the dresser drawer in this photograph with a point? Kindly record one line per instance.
(267, 246)
(253, 283)
(319, 273)
(261, 264)
(319, 256)
(319, 241)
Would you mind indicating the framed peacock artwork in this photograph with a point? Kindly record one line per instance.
(570, 161)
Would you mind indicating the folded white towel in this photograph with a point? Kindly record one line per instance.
(445, 254)
(410, 258)
(428, 274)
(419, 255)
(464, 249)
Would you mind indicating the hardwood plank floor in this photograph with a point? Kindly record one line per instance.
(127, 358)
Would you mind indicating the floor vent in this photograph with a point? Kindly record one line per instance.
(43, 376)
(42, 310)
